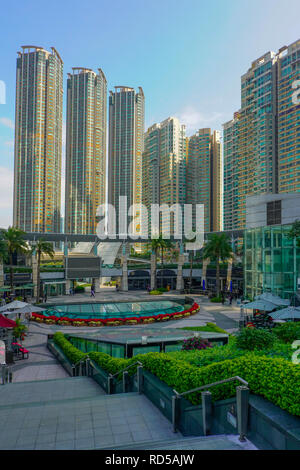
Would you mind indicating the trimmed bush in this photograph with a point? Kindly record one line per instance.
(287, 332)
(73, 354)
(216, 299)
(254, 338)
(79, 289)
(275, 379)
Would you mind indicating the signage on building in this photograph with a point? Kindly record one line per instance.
(82, 267)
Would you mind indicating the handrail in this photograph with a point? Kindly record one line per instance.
(128, 367)
(81, 360)
(231, 379)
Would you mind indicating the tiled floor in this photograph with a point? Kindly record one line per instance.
(73, 414)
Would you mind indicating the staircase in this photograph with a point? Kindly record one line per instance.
(220, 442)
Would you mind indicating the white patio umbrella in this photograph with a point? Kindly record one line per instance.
(262, 305)
(274, 299)
(27, 309)
(13, 305)
(289, 313)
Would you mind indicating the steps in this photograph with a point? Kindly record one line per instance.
(220, 442)
(74, 413)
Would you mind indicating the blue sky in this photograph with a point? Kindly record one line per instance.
(187, 55)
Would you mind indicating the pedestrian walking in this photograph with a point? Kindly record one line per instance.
(92, 291)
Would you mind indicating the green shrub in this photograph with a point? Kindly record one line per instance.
(155, 292)
(73, 354)
(216, 299)
(287, 332)
(79, 289)
(254, 338)
(276, 379)
(162, 289)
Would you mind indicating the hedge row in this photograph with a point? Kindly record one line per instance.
(275, 379)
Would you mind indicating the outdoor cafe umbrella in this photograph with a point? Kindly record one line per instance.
(289, 313)
(262, 305)
(6, 322)
(27, 309)
(274, 299)
(13, 305)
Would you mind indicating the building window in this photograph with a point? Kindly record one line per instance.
(274, 213)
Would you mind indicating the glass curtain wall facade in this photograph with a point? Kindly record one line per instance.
(272, 261)
(38, 140)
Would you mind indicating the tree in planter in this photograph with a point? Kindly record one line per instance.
(42, 248)
(217, 248)
(19, 330)
(14, 241)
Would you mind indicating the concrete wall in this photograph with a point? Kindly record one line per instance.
(256, 208)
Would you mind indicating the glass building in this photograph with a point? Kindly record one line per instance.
(272, 261)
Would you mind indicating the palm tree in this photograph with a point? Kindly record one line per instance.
(217, 248)
(165, 244)
(14, 242)
(155, 245)
(42, 248)
(3, 251)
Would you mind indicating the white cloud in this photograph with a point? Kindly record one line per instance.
(194, 119)
(7, 122)
(6, 196)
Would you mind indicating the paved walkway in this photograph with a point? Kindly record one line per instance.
(74, 414)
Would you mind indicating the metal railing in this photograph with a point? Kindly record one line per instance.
(242, 404)
(204, 387)
(125, 377)
(6, 374)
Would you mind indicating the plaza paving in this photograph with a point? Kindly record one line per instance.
(42, 365)
(44, 408)
(74, 413)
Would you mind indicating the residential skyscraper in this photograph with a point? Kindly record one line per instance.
(204, 177)
(261, 149)
(126, 145)
(38, 140)
(85, 149)
(164, 166)
(289, 118)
